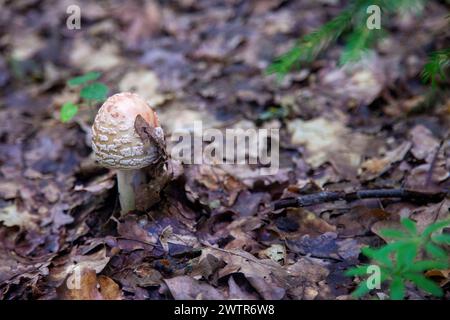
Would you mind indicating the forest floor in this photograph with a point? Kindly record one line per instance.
(213, 235)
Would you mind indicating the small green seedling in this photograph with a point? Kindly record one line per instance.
(91, 92)
(436, 66)
(399, 261)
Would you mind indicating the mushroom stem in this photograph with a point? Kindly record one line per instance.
(127, 180)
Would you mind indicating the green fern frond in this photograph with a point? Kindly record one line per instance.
(358, 43)
(435, 67)
(311, 45)
(353, 18)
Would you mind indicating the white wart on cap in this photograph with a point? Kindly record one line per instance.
(115, 142)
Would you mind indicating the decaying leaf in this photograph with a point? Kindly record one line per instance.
(10, 216)
(276, 252)
(89, 286)
(145, 83)
(77, 264)
(375, 167)
(187, 288)
(331, 141)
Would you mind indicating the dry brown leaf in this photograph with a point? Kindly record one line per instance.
(443, 276)
(306, 275)
(88, 58)
(331, 141)
(77, 264)
(275, 252)
(91, 287)
(375, 167)
(145, 83)
(10, 216)
(267, 277)
(108, 288)
(362, 81)
(187, 288)
(424, 143)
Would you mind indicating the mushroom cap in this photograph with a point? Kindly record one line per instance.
(115, 142)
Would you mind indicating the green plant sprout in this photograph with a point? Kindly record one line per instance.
(91, 92)
(350, 24)
(436, 66)
(400, 261)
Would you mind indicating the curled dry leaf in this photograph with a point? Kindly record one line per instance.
(299, 222)
(267, 277)
(443, 276)
(375, 167)
(77, 264)
(90, 287)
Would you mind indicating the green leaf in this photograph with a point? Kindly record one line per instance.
(382, 254)
(356, 271)
(409, 225)
(406, 254)
(442, 239)
(435, 227)
(359, 41)
(68, 111)
(425, 265)
(311, 45)
(90, 76)
(425, 284)
(397, 289)
(435, 251)
(393, 233)
(95, 91)
(361, 290)
(435, 66)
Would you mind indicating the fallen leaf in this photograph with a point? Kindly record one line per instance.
(375, 167)
(187, 288)
(275, 252)
(424, 143)
(331, 141)
(326, 245)
(91, 287)
(306, 274)
(88, 58)
(77, 264)
(266, 276)
(145, 83)
(10, 216)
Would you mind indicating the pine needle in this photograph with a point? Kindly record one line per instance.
(360, 39)
(435, 67)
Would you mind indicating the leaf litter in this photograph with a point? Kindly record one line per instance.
(212, 235)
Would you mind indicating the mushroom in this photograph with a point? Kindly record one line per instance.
(118, 145)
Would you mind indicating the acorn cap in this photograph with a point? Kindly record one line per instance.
(115, 142)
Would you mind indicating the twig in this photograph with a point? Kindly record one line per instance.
(328, 196)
